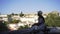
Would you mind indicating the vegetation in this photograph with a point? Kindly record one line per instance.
(21, 14)
(23, 27)
(53, 20)
(15, 21)
(13, 14)
(3, 26)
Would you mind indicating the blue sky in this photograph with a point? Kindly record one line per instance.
(28, 6)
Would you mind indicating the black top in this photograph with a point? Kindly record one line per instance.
(41, 20)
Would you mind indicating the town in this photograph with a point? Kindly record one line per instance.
(14, 21)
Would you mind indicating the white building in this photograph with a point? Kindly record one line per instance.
(3, 17)
(59, 14)
(29, 21)
(17, 17)
(12, 27)
(15, 26)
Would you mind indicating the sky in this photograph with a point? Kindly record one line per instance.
(28, 6)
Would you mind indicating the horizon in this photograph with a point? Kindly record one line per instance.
(28, 6)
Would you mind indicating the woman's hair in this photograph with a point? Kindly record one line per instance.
(39, 13)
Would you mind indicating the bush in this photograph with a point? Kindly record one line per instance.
(52, 20)
(3, 26)
(23, 27)
(15, 21)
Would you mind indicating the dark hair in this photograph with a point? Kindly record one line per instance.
(39, 13)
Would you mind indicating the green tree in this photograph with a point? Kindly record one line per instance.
(3, 26)
(12, 14)
(21, 14)
(15, 14)
(15, 21)
(26, 26)
(50, 20)
(23, 27)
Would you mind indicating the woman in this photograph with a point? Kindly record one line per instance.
(41, 22)
(40, 18)
(40, 26)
